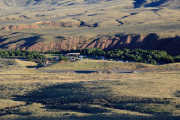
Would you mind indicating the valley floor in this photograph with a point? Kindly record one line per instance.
(34, 94)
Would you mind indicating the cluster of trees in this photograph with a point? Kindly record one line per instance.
(62, 58)
(94, 52)
(136, 55)
(30, 55)
(177, 58)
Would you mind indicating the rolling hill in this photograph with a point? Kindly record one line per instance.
(136, 3)
(37, 24)
(89, 89)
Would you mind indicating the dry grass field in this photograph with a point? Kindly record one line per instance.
(89, 89)
(33, 94)
(76, 18)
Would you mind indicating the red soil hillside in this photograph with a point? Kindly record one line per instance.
(40, 43)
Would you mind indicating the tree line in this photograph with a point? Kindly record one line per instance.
(135, 55)
(29, 55)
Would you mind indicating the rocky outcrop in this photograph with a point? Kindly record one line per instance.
(61, 43)
(149, 41)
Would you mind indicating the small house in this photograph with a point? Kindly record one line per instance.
(73, 56)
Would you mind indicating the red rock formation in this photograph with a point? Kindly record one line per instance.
(149, 41)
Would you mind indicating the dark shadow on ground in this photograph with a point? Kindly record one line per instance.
(95, 97)
(151, 42)
(141, 3)
(124, 117)
(101, 117)
(138, 3)
(85, 71)
(29, 41)
(156, 3)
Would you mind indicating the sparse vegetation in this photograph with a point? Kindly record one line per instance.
(63, 58)
(89, 96)
(109, 82)
(38, 94)
(7, 62)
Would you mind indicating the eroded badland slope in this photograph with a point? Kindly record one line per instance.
(63, 25)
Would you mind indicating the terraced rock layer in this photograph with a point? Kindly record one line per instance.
(39, 43)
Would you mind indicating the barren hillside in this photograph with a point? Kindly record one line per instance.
(147, 24)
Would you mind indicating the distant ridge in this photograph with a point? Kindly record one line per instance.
(137, 3)
(26, 3)
(45, 25)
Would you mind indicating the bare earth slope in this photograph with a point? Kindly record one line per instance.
(73, 24)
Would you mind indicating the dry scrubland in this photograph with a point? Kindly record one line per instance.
(57, 93)
(78, 24)
(31, 94)
(75, 18)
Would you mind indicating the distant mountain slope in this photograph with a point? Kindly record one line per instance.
(48, 3)
(25, 3)
(49, 19)
(37, 42)
(155, 3)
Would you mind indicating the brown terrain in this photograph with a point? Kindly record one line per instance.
(150, 41)
(45, 25)
(89, 89)
(48, 24)
(143, 41)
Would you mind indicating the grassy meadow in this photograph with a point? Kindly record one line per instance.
(34, 94)
(87, 89)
